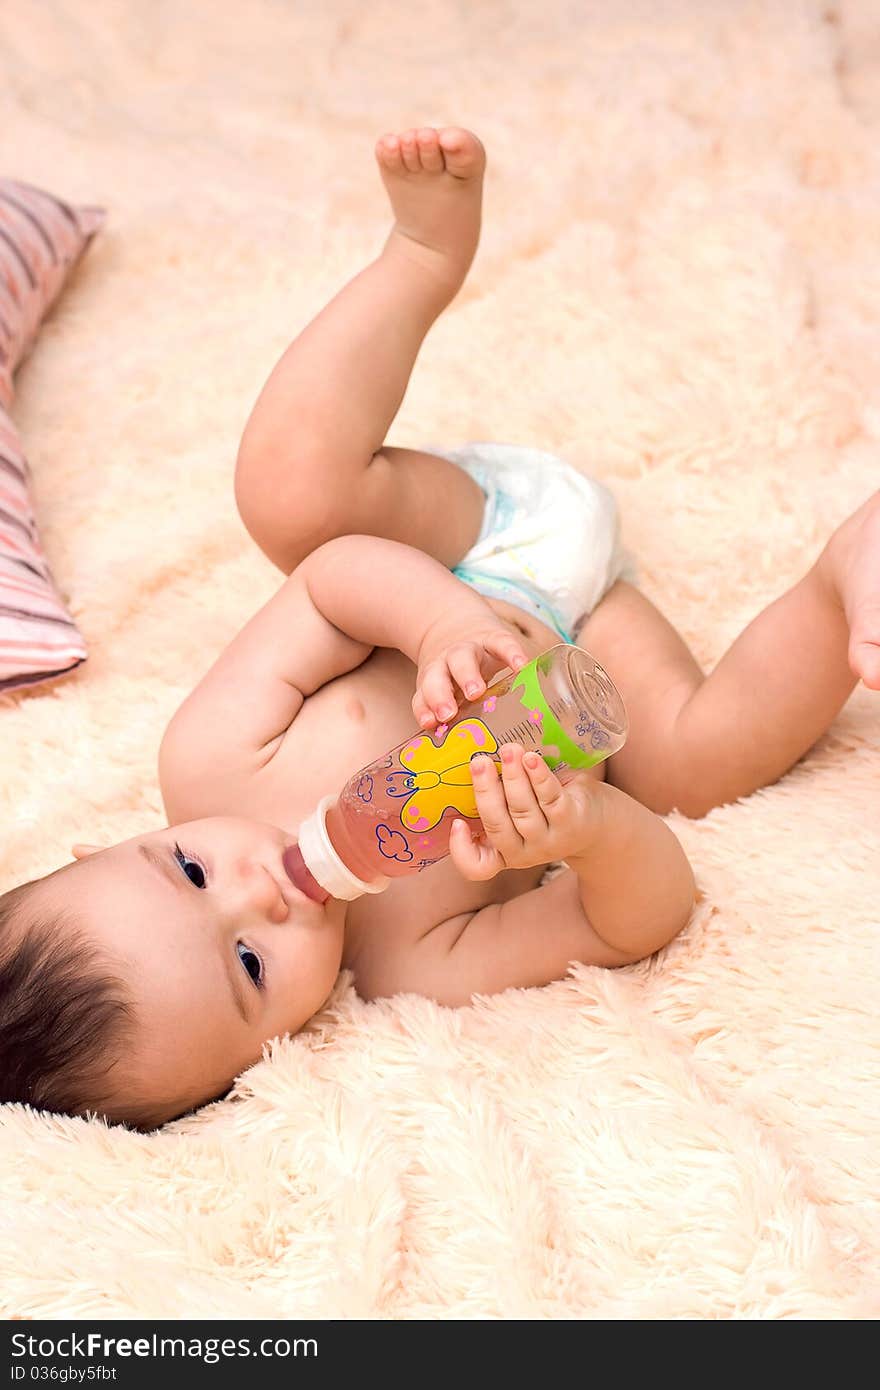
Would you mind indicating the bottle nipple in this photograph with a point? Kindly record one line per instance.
(295, 868)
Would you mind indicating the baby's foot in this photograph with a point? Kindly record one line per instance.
(853, 557)
(434, 179)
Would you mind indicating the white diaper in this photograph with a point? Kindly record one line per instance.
(550, 539)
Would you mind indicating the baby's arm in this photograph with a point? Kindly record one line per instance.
(627, 895)
(386, 594)
(348, 596)
(636, 885)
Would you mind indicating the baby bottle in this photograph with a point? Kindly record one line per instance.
(394, 816)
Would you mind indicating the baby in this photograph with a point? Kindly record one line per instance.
(139, 980)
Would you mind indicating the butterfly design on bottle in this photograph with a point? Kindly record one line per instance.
(437, 777)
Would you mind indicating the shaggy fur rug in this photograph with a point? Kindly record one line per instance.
(678, 288)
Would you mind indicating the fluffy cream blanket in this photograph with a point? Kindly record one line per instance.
(678, 288)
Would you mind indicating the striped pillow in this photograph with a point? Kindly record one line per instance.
(41, 239)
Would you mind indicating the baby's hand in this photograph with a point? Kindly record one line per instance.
(528, 816)
(464, 653)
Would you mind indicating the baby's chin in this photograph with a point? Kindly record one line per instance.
(328, 921)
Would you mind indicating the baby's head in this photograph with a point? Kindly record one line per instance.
(138, 981)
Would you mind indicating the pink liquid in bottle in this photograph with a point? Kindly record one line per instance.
(393, 818)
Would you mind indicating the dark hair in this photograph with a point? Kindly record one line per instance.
(64, 1016)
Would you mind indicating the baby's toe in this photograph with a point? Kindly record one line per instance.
(388, 153)
(864, 646)
(410, 151)
(429, 150)
(463, 153)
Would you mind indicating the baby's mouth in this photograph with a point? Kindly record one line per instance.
(295, 868)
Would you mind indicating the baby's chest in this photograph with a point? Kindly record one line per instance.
(354, 719)
(349, 723)
(343, 726)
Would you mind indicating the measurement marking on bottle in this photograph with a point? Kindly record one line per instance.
(521, 733)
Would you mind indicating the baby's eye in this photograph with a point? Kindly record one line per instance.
(251, 962)
(191, 867)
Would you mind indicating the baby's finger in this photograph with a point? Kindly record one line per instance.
(508, 647)
(435, 687)
(464, 664)
(522, 803)
(472, 858)
(493, 809)
(545, 784)
(420, 709)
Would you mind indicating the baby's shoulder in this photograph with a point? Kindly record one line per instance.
(232, 724)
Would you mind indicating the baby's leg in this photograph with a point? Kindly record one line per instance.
(700, 741)
(311, 464)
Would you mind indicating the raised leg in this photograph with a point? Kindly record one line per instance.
(311, 464)
(699, 741)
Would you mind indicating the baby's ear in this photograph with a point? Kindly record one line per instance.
(83, 851)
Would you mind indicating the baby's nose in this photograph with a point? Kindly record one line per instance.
(261, 891)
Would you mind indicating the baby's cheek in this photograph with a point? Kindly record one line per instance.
(315, 969)
(330, 961)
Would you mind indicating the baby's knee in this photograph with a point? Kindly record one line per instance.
(289, 518)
